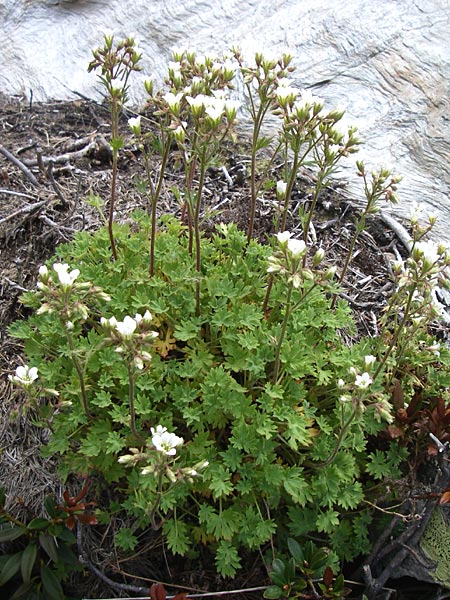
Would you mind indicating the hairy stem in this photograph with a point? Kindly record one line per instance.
(80, 373)
(287, 313)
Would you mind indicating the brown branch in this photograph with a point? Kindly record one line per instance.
(24, 168)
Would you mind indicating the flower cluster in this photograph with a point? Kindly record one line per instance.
(164, 441)
(131, 336)
(289, 257)
(61, 292)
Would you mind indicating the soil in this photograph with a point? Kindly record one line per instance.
(52, 158)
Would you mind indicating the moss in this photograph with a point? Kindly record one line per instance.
(435, 543)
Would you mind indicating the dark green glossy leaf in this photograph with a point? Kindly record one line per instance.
(38, 523)
(9, 533)
(296, 551)
(49, 545)
(10, 568)
(27, 562)
(273, 592)
(52, 585)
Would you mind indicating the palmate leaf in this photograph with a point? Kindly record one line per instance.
(227, 559)
(177, 537)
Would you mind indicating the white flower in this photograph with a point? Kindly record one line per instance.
(286, 94)
(284, 82)
(43, 271)
(127, 327)
(428, 250)
(231, 108)
(66, 279)
(307, 99)
(296, 247)
(24, 375)
(164, 441)
(369, 360)
(215, 113)
(341, 383)
(281, 189)
(135, 124)
(363, 381)
(283, 236)
(173, 100)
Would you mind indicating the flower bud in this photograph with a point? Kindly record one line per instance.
(318, 257)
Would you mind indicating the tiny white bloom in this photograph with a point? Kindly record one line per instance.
(341, 383)
(429, 251)
(173, 100)
(24, 375)
(43, 271)
(281, 189)
(369, 359)
(166, 442)
(296, 247)
(363, 381)
(135, 124)
(283, 236)
(65, 278)
(127, 327)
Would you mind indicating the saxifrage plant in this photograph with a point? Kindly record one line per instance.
(206, 377)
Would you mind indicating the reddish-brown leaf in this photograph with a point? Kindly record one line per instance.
(445, 498)
(398, 398)
(157, 592)
(328, 577)
(395, 432)
(88, 519)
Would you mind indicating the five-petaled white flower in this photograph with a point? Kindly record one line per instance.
(66, 279)
(24, 375)
(363, 381)
(164, 441)
(127, 327)
(283, 236)
(296, 247)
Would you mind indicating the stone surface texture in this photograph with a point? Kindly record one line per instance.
(387, 62)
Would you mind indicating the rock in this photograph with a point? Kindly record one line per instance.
(388, 62)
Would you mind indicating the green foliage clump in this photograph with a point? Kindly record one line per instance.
(228, 412)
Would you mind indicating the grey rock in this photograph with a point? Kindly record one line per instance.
(388, 62)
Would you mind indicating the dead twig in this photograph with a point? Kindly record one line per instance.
(98, 144)
(19, 164)
(54, 185)
(26, 210)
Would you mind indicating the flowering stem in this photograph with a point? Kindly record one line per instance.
(340, 439)
(359, 227)
(282, 334)
(289, 190)
(115, 151)
(131, 382)
(394, 340)
(155, 193)
(257, 123)
(79, 370)
(320, 180)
